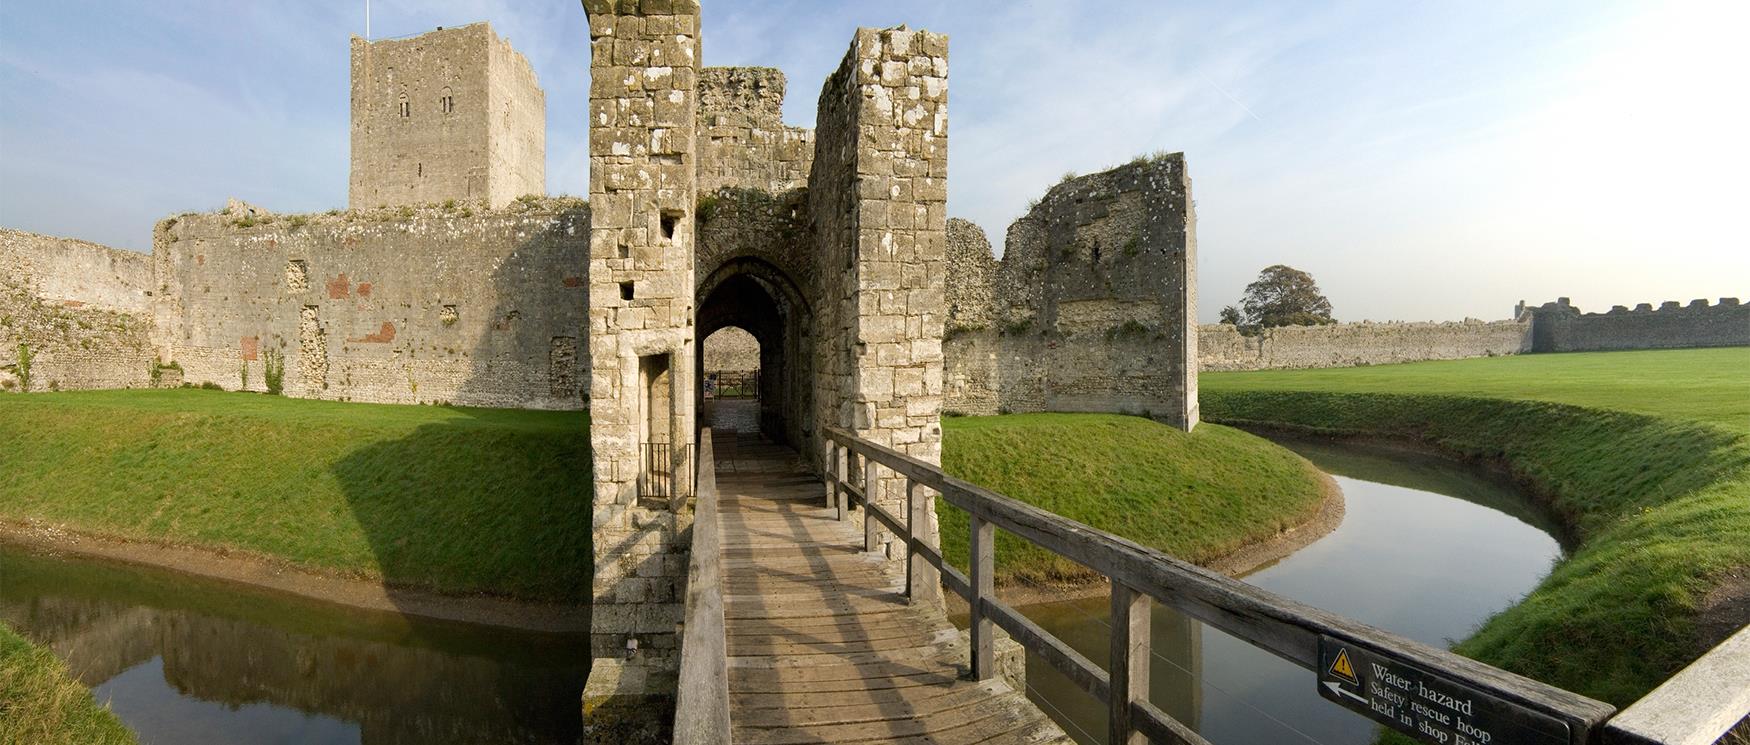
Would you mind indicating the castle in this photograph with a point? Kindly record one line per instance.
(451, 278)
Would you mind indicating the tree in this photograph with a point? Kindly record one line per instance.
(1231, 315)
(1283, 296)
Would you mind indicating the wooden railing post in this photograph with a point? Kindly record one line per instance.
(983, 586)
(839, 495)
(871, 487)
(832, 472)
(1129, 663)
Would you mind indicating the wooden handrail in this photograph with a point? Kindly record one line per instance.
(1286, 628)
(1696, 706)
(702, 700)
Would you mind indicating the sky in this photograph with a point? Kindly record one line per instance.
(1424, 161)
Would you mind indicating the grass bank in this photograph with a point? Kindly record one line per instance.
(1645, 455)
(1197, 496)
(41, 703)
(457, 500)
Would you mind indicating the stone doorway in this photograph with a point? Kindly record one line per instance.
(755, 297)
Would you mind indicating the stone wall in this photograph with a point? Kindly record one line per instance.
(643, 115)
(80, 310)
(454, 114)
(389, 306)
(1091, 307)
(732, 350)
(1560, 327)
(1221, 347)
(743, 141)
(878, 192)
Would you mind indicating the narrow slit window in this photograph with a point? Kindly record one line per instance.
(406, 108)
(447, 102)
(626, 291)
(670, 221)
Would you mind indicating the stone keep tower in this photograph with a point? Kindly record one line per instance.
(451, 114)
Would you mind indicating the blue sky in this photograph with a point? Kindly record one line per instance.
(1422, 160)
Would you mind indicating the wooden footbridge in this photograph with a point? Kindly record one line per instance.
(798, 632)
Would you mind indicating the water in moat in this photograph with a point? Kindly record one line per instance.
(1428, 549)
(183, 660)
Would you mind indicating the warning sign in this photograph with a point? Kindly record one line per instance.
(1343, 668)
(1426, 705)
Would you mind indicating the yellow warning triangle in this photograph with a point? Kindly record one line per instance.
(1341, 667)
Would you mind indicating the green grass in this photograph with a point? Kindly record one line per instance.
(1704, 385)
(451, 499)
(1196, 496)
(1646, 455)
(41, 703)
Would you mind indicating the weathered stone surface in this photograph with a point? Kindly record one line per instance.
(1221, 347)
(1560, 327)
(80, 310)
(454, 114)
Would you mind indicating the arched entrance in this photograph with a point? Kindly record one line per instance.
(753, 295)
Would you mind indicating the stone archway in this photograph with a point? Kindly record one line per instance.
(753, 295)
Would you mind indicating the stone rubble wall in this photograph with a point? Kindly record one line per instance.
(79, 308)
(1091, 307)
(732, 350)
(743, 141)
(392, 306)
(1560, 327)
(1221, 347)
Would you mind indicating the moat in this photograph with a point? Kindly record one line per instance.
(185, 660)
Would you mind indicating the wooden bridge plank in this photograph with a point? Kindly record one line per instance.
(823, 645)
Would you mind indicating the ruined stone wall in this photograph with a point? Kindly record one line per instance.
(1092, 306)
(879, 193)
(1560, 327)
(1221, 347)
(732, 350)
(643, 115)
(455, 114)
(390, 306)
(79, 308)
(743, 141)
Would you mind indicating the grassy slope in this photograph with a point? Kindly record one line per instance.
(41, 703)
(1197, 496)
(454, 499)
(1646, 454)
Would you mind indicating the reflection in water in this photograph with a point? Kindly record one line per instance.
(186, 660)
(1428, 549)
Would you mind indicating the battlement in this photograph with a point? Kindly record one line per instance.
(453, 114)
(1559, 326)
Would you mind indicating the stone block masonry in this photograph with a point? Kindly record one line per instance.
(455, 114)
(643, 114)
(1222, 347)
(78, 309)
(403, 305)
(743, 141)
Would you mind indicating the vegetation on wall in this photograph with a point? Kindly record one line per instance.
(1645, 455)
(24, 356)
(273, 371)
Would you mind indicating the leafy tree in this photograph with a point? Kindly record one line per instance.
(1282, 296)
(1231, 315)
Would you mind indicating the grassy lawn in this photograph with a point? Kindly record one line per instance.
(452, 499)
(41, 703)
(1196, 496)
(1645, 454)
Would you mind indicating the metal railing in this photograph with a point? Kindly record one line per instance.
(701, 714)
(1299, 633)
(732, 384)
(663, 473)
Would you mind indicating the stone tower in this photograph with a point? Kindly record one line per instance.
(451, 114)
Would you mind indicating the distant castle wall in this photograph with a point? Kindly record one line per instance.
(80, 309)
(1222, 347)
(390, 306)
(1560, 327)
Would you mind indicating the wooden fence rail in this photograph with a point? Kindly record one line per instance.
(1293, 631)
(702, 701)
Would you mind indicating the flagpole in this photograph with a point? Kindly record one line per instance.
(367, 20)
